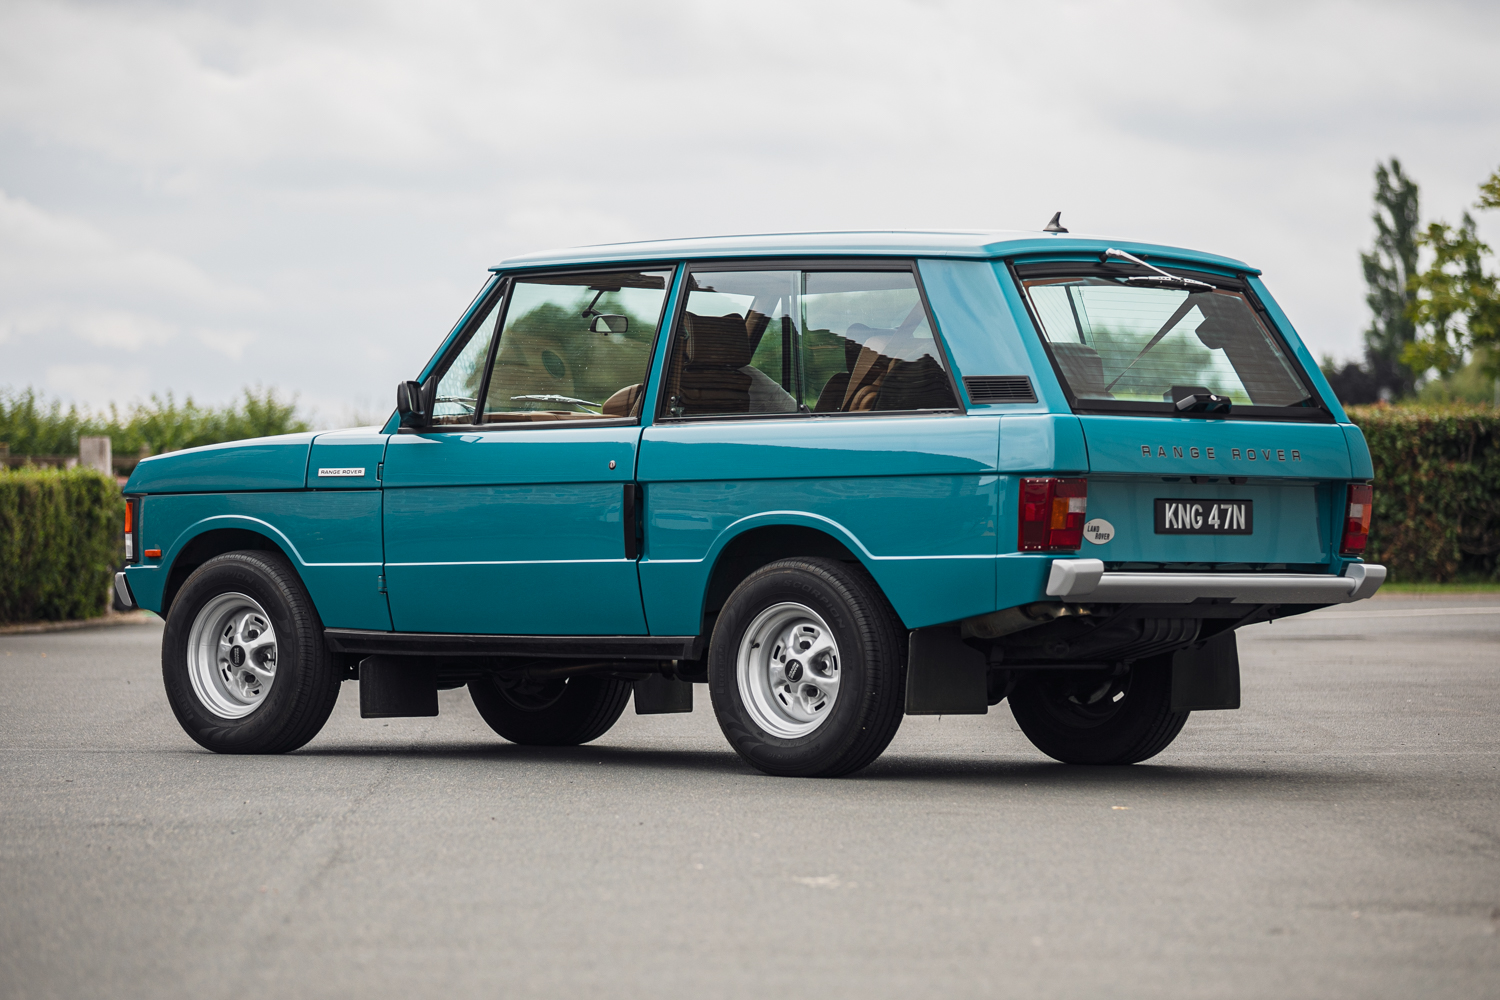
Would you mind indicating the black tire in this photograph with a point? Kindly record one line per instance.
(306, 684)
(1089, 717)
(559, 713)
(871, 697)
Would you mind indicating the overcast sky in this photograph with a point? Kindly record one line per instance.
(199, 197)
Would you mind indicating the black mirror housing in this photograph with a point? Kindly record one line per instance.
(409, 404)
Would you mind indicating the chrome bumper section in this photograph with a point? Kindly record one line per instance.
(122, 591)
(1084, 581)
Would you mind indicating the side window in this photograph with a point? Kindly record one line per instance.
(868, 344)
(458, 389)
(736, 350)
(575, 346)
(804, 341)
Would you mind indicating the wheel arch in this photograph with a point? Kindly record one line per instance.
(215, 537)
(758, 542)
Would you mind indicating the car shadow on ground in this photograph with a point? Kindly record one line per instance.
(1145, 776)
(681, 758)
(889, 770)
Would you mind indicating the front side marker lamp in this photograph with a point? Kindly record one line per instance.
(1357, 519)
(1052, 514)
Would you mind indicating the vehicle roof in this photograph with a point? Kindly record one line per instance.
(952, 243)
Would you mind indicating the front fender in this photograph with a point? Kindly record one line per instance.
(332, 539)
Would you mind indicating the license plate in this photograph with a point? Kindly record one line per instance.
(1204, 517)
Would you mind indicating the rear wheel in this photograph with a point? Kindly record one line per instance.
(560, 712)
(243, 659)
(807, 669)
(1093, 717)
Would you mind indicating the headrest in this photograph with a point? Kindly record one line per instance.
(900, 345)
(1083, 367)
(717, 340)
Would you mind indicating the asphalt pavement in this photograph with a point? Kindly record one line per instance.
(1339, 836)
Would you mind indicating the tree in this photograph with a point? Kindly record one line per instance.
(1456, 302)
(1489, 192)
(1389, 269)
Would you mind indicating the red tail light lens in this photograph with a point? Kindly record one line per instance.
(1357, 519)
(1052, 514)
(131, 555)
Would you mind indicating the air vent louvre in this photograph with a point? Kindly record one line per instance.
(999, 389)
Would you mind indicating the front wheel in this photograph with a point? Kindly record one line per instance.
(1096, 717)
(243, 659)
(807, 669)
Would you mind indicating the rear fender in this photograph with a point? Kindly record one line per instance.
(752, 542)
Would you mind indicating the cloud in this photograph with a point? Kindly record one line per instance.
(230, 343)
(312, 193)
(98, 381)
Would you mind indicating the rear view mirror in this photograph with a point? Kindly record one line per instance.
(409, 404)
(609, 323)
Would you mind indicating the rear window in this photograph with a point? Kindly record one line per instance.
(1121, 346)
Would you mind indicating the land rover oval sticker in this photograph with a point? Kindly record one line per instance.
(341, 473)
(1098, 531)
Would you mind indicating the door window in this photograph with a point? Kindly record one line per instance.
(769, 342)
(458, 390)
(575, 347)
(735, 351)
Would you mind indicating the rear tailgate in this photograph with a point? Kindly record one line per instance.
(1282, 477)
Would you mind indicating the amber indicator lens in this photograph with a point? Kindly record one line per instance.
(1357, 519)
(1052, 514)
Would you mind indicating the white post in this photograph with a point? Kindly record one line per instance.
(96, 453)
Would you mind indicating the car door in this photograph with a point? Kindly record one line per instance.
(511, 512)
(816, 396)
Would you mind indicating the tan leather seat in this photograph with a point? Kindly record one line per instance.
(625, 402)
(863, 389)
(895, 370)
(1083, 367)
(717, 347)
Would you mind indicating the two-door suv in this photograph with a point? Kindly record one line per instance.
(836, 477)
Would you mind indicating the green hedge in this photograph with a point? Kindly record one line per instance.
(31, 425)
(61, 538)
(1437, 490)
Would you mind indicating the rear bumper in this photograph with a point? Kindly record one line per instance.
(1084, 581)
(122, 591)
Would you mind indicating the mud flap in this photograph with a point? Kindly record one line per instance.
(661, 695)
(1207, 676)
(945, 675)
(396, 688)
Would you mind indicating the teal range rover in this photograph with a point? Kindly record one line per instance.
(838, 478)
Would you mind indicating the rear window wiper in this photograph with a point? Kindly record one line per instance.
(1160, 279)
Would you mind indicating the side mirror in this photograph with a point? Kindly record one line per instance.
(609, 323)
(409, 404)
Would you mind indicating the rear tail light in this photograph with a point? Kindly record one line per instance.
(132, 553)
(1052, 514)
(1357, 519)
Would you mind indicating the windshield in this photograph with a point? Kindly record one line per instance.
(1116, 341)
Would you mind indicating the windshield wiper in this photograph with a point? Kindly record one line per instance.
(1160, 278)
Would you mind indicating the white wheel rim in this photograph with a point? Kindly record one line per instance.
(231, 655)
(788, 670)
